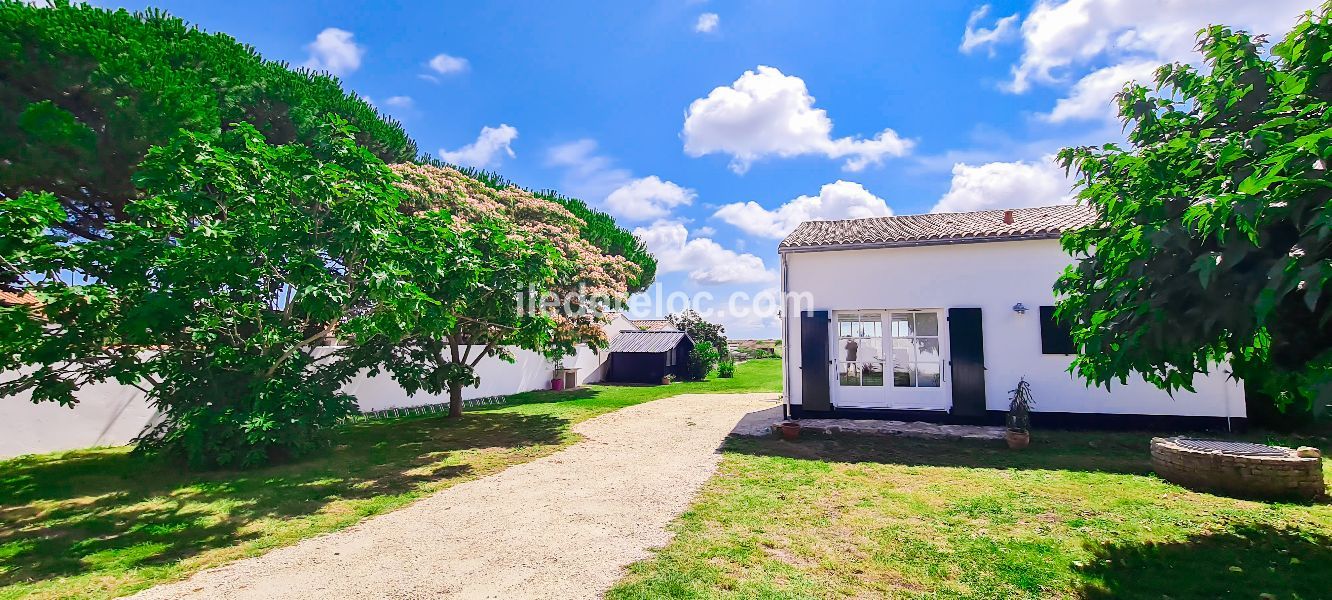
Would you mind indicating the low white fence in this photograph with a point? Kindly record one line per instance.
(110, 414)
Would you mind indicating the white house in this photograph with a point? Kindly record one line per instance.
(937, 316)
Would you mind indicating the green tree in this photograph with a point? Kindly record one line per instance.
(540, 285)
(701, 330)
(85, 92)
(215, 290)
(703, 358)
(1214, 238)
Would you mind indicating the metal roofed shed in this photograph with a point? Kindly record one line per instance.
(648, 356)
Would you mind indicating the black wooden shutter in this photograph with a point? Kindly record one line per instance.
(814, 361)
(967, 346)
(1055, 338)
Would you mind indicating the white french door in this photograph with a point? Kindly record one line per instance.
(889, 359)
(917, 341)
(858, 370)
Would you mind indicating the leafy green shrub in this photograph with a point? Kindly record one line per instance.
(726, 369)
(700, 330)
(702, 358)
(215, 289)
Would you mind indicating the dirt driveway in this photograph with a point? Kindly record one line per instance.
(562, 526)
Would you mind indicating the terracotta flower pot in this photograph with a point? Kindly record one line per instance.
(1017, 438)
(790, 430)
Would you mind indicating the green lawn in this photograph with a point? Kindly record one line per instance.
(1076, 515)
(103, 523)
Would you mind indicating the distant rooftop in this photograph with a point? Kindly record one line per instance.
(940, 228)
(653, 324)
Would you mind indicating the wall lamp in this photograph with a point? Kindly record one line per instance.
(1020, 308)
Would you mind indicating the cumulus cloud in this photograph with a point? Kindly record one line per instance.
(1092, 97)
(1058, 36)
(588, 174)
(979, 37)
(448, 65)
(1006, 185)
(647, 198)
(837, 200)
(767, 113)
(486, 150)
(707, 23)
(705, 261)
(334, 50)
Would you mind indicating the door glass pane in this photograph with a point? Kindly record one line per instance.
(851, 350)
(902, 376)
(849, 375)
(927, 374)
(844, 325)
(927, 323)
(927, 349)
(871, 374)
(901, 325)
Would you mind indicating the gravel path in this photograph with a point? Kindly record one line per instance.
(562, 526)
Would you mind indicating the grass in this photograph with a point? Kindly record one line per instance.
(103, 523)
(1077, 515)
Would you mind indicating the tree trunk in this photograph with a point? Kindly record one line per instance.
(455, 400)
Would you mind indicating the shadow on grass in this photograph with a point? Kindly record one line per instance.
(109, 510)
(1242, 562)
(1122, 452)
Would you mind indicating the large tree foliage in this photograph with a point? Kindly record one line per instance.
(215, 289)
(541, 288)
(598, 228)
(1214, 242)
(700, 330)
(85, 92)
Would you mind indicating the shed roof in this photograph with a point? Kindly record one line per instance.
(646, 341)
(939, 228)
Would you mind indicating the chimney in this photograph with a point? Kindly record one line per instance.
(1008, 217)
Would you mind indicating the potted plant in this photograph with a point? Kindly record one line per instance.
(1018, 434)
(667, 379)
(790, 430)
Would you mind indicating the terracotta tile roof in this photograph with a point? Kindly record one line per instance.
(653, 324)
(17, 299)
(646, 341)
(940, 228)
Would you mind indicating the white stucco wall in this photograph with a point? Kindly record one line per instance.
(992, 276)
(110, 414)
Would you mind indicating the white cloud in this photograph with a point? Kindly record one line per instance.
(979, 37)
(838, 200)
(647, 198)
(448, 65)
(485, 150)
(334, 50)
(1006, 185)
(587, 173)
(1092, 96)
(400, 102)
(706, 261)
(1058, 36)
(707, 23)
(767, 113)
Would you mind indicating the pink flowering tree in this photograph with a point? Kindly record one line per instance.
(539, 285)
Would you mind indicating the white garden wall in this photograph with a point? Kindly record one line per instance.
(992, 276)
(110, 414)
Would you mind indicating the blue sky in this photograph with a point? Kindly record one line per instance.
(712, 127)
